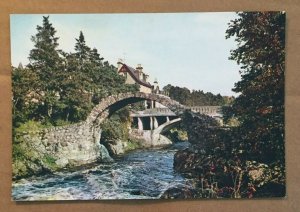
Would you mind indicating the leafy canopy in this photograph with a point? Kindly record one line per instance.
(260, 106)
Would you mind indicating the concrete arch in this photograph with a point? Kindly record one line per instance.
(166, 126)
(113, 103)
(157, 138)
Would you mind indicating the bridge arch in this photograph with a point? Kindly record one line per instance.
(166, 126)
(156, 135)
(115, 102)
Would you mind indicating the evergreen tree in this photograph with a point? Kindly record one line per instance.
(89, 80)
(81, 49)
(260, 105)
(95, 57)
(25, 100)
(194, 98)
(57, 87)
(46, 62)
(76, 89)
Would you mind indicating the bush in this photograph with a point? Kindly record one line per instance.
(27, 160)
(113, 130)
(49, 162)
(177, 135)
(220, 160)
(61, 122)
(132, 144)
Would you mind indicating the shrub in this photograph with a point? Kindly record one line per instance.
(113, 130)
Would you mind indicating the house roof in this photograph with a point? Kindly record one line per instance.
(132, 72)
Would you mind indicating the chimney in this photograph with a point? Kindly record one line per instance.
(155, 86)
(146, 76)
(139, 68)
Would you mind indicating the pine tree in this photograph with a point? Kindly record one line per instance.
(81, 49)
(95, 58)
(46, 62)
(25, 102)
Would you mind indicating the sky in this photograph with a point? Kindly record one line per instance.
(182, 49)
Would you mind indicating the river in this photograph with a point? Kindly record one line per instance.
(139, 174)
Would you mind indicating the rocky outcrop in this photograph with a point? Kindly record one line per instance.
(72, 145)
(116, 147)
(180, 192)
(68, 146)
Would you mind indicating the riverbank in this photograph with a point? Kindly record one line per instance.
(222, 167)
(40, 151)
(138, 174)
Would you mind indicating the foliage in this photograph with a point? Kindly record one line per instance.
(177, 134)
(132, 144)
(49, 162)
(26, 160)
(29, 126)
(59, 88)
(195, 98)
(246, 160)
(260, 105)
(221, 165)
(138, 106)
(24, 81)
(113, 130)
(46, 62)
(61, 122)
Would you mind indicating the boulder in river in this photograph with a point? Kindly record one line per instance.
(179, 192)
(105, 157)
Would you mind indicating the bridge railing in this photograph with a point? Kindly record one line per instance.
(158, 110)
(154, 111)
(206, 109)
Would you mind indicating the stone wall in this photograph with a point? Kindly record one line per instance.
(72, 145)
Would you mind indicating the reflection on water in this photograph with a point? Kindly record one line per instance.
(140, 174)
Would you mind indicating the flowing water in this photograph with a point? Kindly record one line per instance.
(140, 174)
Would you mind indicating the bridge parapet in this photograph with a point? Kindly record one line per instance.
(208, 110)
(153, 112)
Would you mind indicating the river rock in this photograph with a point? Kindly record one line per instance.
(105, 157)
(62, 162)
(179, 192)
(117, 147)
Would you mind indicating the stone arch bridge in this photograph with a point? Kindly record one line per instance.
(79, 144)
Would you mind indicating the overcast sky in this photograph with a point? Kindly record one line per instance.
(183, 49)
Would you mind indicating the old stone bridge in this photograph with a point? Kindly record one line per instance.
(79, 143)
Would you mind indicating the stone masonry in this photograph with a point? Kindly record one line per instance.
(79, 144)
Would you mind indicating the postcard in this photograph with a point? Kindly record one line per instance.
(148, 106)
